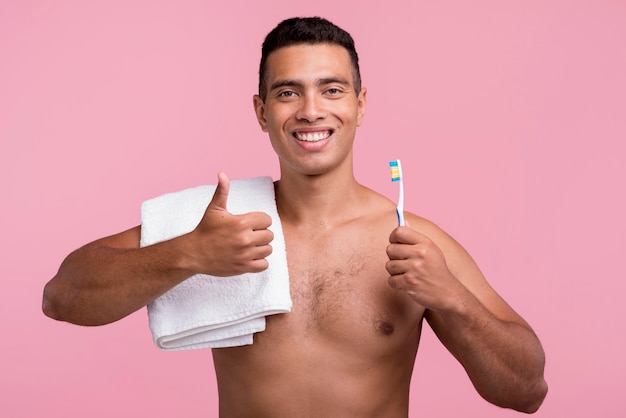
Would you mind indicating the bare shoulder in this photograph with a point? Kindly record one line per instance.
(452, 249)
(459, 261)
(376, 203)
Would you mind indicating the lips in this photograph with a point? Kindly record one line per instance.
(312, 136)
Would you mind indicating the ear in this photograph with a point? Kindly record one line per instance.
(361, 105)
(259, 109)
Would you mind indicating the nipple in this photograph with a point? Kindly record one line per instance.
(384, 327)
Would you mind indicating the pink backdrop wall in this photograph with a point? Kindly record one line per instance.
(509, 117)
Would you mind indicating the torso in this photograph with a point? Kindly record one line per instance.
(349, 344)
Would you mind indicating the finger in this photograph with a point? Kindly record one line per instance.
(396, 282)
(261, 237)
(220, 197)
(399, 251)
(400, 235)
(259, 220)
(395, 267)
(249, 254)
(406, 235)
(261, 252)
(257, 266)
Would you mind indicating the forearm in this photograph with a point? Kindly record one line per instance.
(98, 284)
(108, 279)
(504, 360)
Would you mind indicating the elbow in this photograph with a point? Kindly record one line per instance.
(534, 397)
(525, 398)
(57, 302)
(62, 302)
(50, 303)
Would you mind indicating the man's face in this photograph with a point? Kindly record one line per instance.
(311, 110)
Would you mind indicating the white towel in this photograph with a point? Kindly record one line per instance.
(206, 311)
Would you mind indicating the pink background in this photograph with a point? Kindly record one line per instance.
(509, 116)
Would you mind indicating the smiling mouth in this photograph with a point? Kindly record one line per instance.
(312, 136)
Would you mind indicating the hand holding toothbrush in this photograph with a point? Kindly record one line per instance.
(416, 264)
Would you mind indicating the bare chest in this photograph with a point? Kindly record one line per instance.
(346, 325)
(340, 292)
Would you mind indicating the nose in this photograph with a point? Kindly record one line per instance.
(311, 109)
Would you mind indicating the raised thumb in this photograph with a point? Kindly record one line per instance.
(220, 197)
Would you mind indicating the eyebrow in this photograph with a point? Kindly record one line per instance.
(319, 82)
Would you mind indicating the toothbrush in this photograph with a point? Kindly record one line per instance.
(396, 175)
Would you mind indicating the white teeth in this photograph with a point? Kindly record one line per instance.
(312, 137)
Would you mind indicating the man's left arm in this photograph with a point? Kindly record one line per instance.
(498, 349)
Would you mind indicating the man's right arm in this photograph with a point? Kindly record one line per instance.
(110, 278)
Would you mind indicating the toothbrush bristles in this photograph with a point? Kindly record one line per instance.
(395, 170)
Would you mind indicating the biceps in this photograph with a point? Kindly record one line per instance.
(126, 239)
(462, 266)
(468, 273)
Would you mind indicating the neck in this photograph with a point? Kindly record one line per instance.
(326, 199)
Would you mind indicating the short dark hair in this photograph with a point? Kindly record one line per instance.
(307, 30)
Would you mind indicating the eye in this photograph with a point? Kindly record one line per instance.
(287, 93)
(334, 92)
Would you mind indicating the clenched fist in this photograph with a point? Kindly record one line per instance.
(417, 266)
(224, 244)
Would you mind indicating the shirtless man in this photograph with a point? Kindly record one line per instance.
(360, 284)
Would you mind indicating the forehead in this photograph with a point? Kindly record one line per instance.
(308, 61)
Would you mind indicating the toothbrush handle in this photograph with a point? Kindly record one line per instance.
(400, 207)
(400, 214)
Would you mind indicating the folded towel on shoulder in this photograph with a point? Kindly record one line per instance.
(206, 311)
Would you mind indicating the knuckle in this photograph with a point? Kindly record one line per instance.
(421, 251)
(243, 241)
(242, 222)
(415, 265)
(412, 277)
